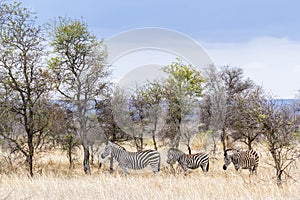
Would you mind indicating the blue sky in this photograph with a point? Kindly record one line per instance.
(222, 21)
(260, 36)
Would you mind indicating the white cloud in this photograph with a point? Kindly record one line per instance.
(297, 69)
(273, 63)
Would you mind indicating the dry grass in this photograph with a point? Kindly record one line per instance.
(56, 181)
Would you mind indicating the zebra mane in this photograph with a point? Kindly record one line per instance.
(225, 153)
(177, 150)
(251, 151)
(116, 145)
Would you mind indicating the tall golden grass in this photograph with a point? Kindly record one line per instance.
(54, 180)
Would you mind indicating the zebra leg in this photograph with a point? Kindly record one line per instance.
(236, 167)
(184, 167)
(124, 170)
(205, 167)
(172, 169)
(202, 167)
(155, 168)
(255, 169)
(251, 171)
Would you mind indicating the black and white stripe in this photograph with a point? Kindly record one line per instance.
(187, 161)
(241, 159)
(132, 160)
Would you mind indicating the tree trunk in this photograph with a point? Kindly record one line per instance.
(92, 155)
(142, 143)
(30, 154)
(249, 144)
(176, 140)
(153, 133)
(190, 150)
(70, 157)
(154, 141)
(223, 138)
(214, 144)
(277, 166)
(138, 143)
(86, 162)
(278, 177)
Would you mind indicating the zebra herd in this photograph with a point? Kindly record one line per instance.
(138, 160)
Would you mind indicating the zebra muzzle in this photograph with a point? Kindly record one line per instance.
(224, 167)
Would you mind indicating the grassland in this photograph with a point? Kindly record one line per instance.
(55, 181)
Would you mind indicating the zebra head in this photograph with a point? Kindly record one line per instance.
(173, 155)
(107, 150)
(227, 158)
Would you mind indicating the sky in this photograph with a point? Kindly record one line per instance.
(260, 36)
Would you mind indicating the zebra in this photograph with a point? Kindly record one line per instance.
(187, 161)
(241, 159)
(133, 160)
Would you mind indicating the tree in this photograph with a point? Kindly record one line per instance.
(138, 112)
(105, 109)
(182, 88)
(24, 78)
(235, 85)
(80, 71)
(280, 125)
(146, 112)
(223, 87)
(153, 95)
(62, 128)
(246, 110)
(213, 106)
(110, 113)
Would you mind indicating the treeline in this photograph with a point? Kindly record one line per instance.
(65, 62)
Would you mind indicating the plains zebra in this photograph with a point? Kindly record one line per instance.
(132, 160)
(187, 161)
(241, 159)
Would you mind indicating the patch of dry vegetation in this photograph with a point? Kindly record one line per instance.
(55, 181)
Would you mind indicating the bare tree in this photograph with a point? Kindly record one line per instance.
(138, 111)
(189, 129)
(280, 125)
(223, 86)
(80, 71)
(246, 110)
(214, 107)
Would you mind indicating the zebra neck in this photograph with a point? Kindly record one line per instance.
(180, 156)
(117, 153)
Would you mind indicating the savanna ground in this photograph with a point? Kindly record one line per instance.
(54, 180)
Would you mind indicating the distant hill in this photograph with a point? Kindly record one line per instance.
(282, 102)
